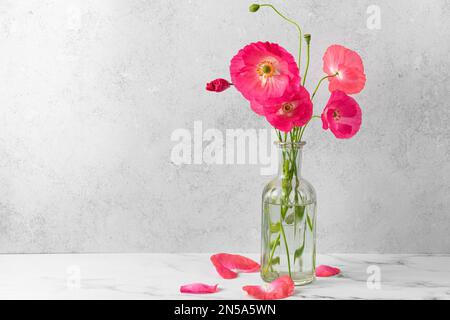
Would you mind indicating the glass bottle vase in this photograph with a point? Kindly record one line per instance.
(289, 221)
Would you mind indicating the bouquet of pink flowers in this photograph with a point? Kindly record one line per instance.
(272, 81)
(269, 78)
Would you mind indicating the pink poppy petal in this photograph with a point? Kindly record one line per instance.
(327, 271)
(300, 111)
(351, 78)
(227, 264)
(257, 107)
(284, 124)
(198, 288)
(281, 288)
(342, 115)
(324, 121)
(246, 74)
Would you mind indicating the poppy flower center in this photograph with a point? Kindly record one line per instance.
(287, 107)
(266, 69)
(336, 115)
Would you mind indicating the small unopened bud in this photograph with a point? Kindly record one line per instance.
(254, 7)
(218, 85)
(307, 38)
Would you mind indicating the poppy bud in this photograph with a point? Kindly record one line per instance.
(307, 38)
(218, 85)
(254, 7)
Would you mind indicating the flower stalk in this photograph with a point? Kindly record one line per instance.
(320, 82)
(308, 42)
(297, 26)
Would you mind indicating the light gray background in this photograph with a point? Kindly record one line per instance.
(90, 92)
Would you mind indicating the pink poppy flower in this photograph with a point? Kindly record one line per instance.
(349, 66)
(342, 115)
(262, 71)
(293, 110)
(198, 288)
(218, 85)
(257, 108)
(225, 263)
(326, 271)
(281, 288)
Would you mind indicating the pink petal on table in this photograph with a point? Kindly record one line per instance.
(198, 288)
(327, 271)
(225, 263)
(281, 288)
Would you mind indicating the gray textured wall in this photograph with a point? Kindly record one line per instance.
(91, 91)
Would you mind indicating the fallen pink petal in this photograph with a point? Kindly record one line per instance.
(228, 265)
(327, 271)
(281, 288)
(199, 288)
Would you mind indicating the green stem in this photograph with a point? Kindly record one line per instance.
(291, 171)
(278, 134)
(295, 24)
(320, 81)
(304, 240)
(302, 130)
(288, 172)
(286, 246)
(271, 254)
(292, 135)
(307, 63)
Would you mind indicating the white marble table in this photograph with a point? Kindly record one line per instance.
(158, 276)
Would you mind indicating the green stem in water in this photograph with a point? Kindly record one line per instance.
(269, 263)
(284, 207)
(295, 24)
(320, 82)
(289, 172)
(286, 246)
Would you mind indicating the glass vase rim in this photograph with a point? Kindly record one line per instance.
(290, 145)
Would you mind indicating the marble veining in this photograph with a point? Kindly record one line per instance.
(158, 276)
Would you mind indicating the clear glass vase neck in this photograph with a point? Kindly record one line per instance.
(290, 159)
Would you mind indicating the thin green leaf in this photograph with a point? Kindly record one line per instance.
(310, 225)
(283, 211)
(275, 227)
(275, 260)
(275, 243)
(298, 253)
(290, 218)
(299, 212)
